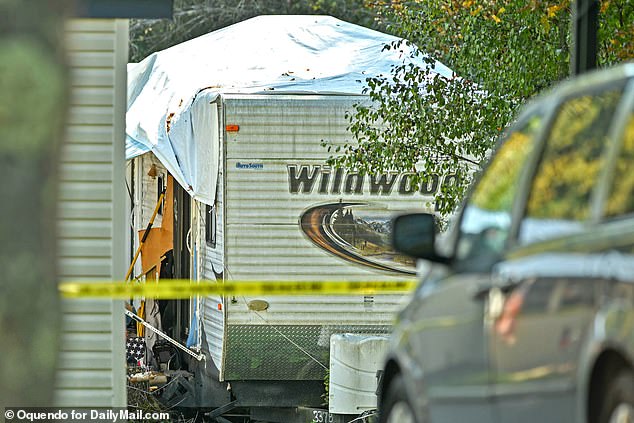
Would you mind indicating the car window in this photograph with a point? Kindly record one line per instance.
(487, 216)
(559, 199)
(621, 198)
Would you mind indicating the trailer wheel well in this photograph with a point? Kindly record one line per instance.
(608, 364)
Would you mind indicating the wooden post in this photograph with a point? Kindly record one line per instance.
(585, 22)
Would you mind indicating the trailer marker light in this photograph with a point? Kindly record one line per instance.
(232, 128)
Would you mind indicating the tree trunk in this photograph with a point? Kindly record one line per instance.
(33, 99)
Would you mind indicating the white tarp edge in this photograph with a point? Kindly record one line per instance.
(174, 88)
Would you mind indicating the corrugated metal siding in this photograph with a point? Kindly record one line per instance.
(263, 238)
(149, 191)
(214, 327)
(91, 369)
(280, 126)
(212, 267)
(214, 256)
(345, 310)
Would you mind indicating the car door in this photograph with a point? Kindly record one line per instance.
(447, 336)
(552, 287)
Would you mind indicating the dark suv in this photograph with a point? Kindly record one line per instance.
(528, 313)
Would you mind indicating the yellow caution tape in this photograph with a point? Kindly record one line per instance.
(181, 289)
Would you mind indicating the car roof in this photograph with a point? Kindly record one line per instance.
(582, 82)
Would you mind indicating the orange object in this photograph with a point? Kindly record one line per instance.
(232, 128)
(160, 239)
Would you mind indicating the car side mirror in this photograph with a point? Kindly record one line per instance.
(414, 235)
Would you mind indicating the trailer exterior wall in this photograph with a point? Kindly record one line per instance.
(258, 237)
(212, 257)
(149, 192)
(264, 241)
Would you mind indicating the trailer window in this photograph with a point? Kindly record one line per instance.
(621, 200)
(486, 220)
(561, 194)
(210, 225)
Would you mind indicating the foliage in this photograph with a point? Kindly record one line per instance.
(326, 395)
(423, 122)
(496, 188)
(573, 158)
(620, 200)
(193, 18)
(616, 32)
(502, 52)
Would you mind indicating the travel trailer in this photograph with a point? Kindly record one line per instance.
(249, 196)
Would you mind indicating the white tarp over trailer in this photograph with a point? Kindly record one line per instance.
(169, 92)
